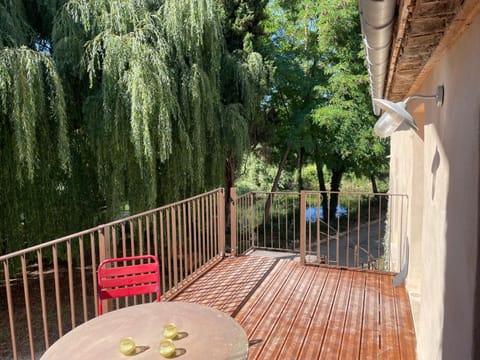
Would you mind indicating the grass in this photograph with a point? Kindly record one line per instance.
(258, 175)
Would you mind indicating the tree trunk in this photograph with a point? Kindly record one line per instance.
(320, 176)
(301, 160)
(269, 200)
(334, 188)
(321, 182)
(374, 184)
(319, 166)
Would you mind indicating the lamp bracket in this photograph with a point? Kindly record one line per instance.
(438, 96)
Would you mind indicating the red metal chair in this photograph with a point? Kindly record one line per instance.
(140, 275)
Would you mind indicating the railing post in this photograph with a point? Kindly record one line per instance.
(104, 243)
(303, 229)
(252, 220)
(173, 220)
(233, 221)
(104, 253)
(221, 222)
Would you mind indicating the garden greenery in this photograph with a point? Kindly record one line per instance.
(126, 101)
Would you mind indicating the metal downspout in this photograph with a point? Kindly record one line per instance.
(377, 17)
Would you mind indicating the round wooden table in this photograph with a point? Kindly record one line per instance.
(204, 333)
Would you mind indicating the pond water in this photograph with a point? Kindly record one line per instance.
(311, 213)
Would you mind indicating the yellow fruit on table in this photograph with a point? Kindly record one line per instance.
(127, 346)
(170, 331)
(167, 348)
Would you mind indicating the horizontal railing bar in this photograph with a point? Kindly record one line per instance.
(274, 193)
(323, 192)
(49, 243)
(100, 227)
(274, 249)
(243, 196)
(369, 194)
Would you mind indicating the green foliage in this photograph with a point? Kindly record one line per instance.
(34, 147)
(354, 183)
(243, 23)
(257, 175)
(27, 80)
(144, 102)
(158, 78)
(309, 175)
(292, 49)
(14, 29)
(320, 102)
(344, 120)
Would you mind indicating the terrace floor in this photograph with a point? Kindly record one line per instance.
(291, 311)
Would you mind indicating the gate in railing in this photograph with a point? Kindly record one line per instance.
(346, 229)
(51, 288)
(269, 221)
(354, 230)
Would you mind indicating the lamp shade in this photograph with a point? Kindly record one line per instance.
(393, 116)
(387, 124)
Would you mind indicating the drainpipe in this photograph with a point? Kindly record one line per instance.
(377, 17)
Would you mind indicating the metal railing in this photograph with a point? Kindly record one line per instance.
(345, 229)
(269, 221)
(52, 288)
(353, 229)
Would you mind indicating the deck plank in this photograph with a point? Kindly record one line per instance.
(350, 347)
(286, 320)
(228, 284)
(290, 311)
(293, 342)
(370, 341)
(336, 325)
(317, 328)
(405, 325)
(270, 314)
(389, 345)
(259, 302)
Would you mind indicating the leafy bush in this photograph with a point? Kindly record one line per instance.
(257, 175)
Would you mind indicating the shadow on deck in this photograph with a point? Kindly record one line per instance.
(291, 311)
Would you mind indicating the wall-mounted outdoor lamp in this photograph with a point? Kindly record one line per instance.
(394, 114)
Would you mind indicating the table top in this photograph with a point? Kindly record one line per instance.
(204, 333)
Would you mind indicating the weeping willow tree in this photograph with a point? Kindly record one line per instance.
(143, 100)
(35, 169)
(156, 109)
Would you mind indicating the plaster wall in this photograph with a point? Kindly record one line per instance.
(443, 221)
(406, 177)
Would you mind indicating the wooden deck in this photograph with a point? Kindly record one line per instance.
(291, 311)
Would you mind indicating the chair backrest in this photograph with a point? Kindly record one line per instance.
(127, 276)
